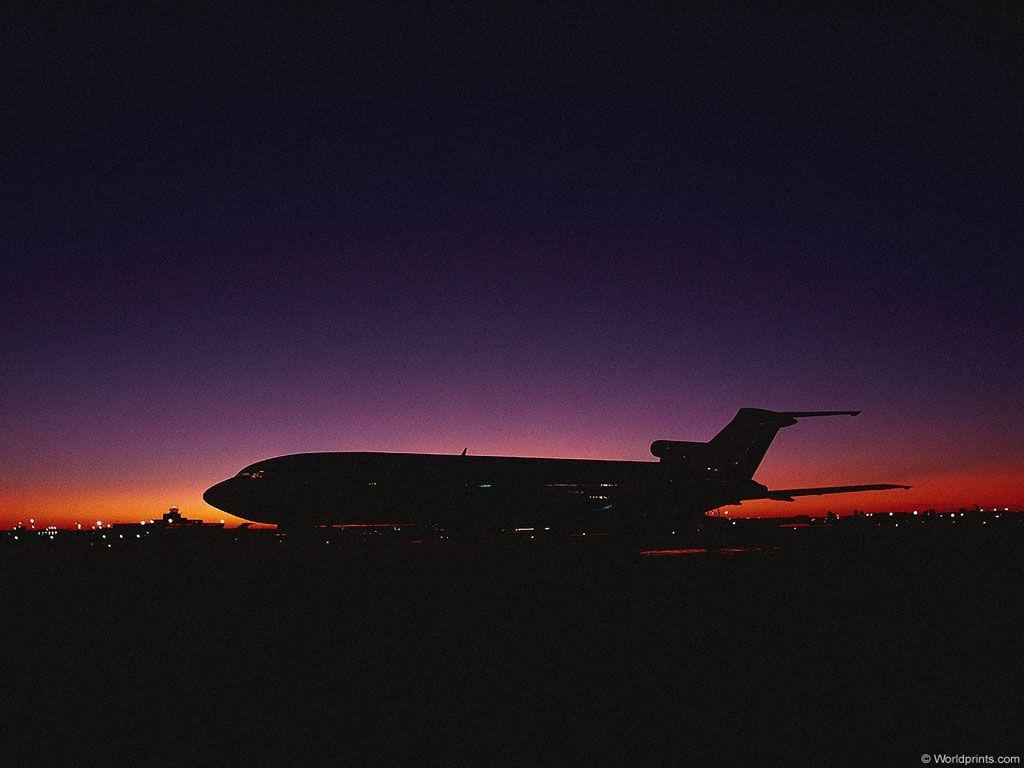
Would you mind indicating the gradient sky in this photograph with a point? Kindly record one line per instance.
(228, 235)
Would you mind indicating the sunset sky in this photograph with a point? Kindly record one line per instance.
(229, 235)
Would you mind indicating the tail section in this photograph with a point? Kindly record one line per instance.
(745, 440)
(736, 451)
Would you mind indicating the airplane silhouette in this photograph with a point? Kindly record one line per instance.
(480, 493)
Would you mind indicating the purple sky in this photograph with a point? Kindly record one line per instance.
(229, 236)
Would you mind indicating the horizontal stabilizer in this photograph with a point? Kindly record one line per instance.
(802, 414)
(789, 493)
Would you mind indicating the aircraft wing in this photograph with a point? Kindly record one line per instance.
(789, 494)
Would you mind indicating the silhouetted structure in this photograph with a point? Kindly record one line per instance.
(459, 493)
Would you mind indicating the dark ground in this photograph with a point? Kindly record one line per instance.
(832, 652)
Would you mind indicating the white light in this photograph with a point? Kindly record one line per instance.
(31, 519)
(99, 523)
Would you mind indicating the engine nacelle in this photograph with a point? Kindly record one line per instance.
(694, 458)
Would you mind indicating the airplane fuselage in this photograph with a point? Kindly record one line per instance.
(457, 491)
(488, 492)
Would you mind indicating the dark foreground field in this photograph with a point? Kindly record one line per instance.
(509, 654)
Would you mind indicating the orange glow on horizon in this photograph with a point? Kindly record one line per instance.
(66, 506)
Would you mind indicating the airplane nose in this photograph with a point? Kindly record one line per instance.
(219, 496)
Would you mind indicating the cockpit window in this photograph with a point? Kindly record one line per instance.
(252, 474)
